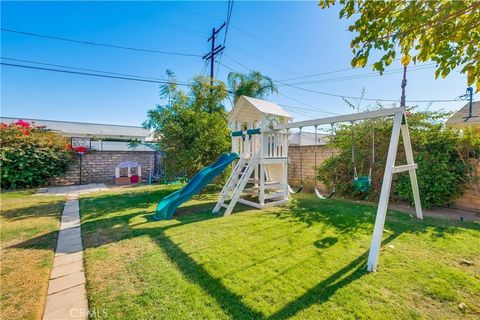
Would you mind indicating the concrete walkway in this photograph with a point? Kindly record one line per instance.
(444, 213)
(71, 190)
(67, 296)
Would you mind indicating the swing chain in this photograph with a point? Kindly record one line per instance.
(315, 152)
(355, 175)
(373, 154)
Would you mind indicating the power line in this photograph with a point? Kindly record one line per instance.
(313, 108)
(82, 69)
(227, 24)
(204, 69)
(237, 62)
(263, 42)
(92, 74)
(229, 16)
(327, 72)
(365, 75)
(194, 12)
(339, 95)
(292, 109)
(266, 60)
(318, 74)
(100, 44)
(361, 98)
(170, 25)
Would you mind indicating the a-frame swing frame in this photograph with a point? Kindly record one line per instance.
(400, 126)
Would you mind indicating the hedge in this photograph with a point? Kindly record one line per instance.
(441, 153)
(30, 156)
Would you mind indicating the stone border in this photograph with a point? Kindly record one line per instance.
(67, 295)
(71, 190)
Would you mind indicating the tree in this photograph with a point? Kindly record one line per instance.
(446, 32)
(254, 85)
(191, 127)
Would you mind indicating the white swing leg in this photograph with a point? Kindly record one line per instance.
(384, 194)
(412, 172)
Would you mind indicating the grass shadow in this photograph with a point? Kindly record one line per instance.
(48, 209)
(322, 292)
(229, 301)
(356, 216)
(99, 228)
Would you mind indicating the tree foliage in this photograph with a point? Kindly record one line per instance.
(30, 155)
(442, 155)
(191, 127)
(446, 32)
(254, 85)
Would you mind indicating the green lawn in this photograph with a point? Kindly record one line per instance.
(28, 230)
(306, 260)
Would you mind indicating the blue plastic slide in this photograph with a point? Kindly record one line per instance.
(167, 206)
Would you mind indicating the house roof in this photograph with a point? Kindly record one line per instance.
(262, 106)
(460, 117)
(73, 129)
(308, 139)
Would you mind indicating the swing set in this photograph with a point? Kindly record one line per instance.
(360, 183)
(363, 183)
(260, 176)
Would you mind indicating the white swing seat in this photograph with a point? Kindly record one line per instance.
(290, 189)
(322, 197)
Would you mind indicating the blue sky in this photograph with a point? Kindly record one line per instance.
(281, 39)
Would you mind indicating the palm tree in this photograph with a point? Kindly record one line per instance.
(254, 85)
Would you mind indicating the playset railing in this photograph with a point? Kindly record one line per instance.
(271, 144)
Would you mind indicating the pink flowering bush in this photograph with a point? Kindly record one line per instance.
(31, 155)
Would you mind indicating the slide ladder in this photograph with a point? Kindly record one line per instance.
(236, 183)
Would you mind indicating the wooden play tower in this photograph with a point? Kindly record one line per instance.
(260, 177)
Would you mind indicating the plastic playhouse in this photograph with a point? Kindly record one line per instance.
(128, 173)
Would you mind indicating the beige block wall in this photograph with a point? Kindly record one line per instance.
(308, 164)
(99, 166)
(470, 199)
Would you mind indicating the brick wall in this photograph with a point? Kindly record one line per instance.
(470, 200)
(308, 164)
(99, 166)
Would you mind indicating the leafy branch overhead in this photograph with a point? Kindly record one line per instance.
(446, 32)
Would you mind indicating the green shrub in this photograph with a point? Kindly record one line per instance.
(441, 154)
(30, 156)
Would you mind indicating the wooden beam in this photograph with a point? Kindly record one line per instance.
(343, 118)
(406, 167)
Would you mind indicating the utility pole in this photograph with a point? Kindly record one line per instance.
(214, 51)
(404, 84)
